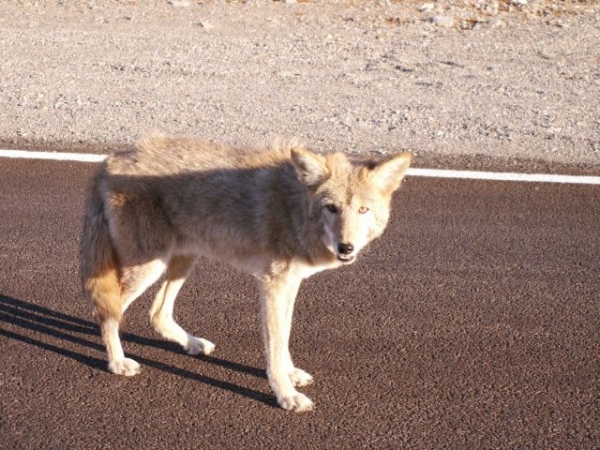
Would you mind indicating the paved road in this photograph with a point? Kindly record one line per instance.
(473, 323)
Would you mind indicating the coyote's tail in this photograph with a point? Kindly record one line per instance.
(100, 271)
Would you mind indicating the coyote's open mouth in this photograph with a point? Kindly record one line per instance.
(345, 258)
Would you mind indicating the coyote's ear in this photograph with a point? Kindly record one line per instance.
(311, 167)
(389, 173)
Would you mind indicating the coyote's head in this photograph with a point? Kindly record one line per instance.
(350, 200)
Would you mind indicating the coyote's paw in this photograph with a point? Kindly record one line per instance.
(301, 378)
(296, 402)
(195, 346)
(126, 366)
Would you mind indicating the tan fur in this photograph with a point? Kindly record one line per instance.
(99, 265)
(281, 214)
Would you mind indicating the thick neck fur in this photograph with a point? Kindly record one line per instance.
(294, 227)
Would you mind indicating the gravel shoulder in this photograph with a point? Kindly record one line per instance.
(465, 83)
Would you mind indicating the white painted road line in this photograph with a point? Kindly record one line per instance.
(432, 173)
(504, 176)
(55, 156)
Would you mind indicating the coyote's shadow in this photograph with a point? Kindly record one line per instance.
(30, 317)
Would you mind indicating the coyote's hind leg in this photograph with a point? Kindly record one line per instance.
(134, 282)
(161, 312)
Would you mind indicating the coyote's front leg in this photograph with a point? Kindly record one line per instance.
(298, 376)
(276, 311)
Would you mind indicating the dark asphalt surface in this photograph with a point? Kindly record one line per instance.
(473, 323)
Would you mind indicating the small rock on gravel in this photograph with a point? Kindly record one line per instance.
(497, 23)
(443, 21)
(179, 3)
(427, 7)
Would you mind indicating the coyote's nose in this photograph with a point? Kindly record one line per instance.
(345, 249)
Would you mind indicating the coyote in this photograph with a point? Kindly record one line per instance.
(282, 214)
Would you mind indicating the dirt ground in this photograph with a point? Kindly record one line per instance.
(465, 80)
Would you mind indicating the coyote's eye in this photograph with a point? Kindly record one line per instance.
(363, 210)
(331, 208)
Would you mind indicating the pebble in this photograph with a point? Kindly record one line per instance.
(427, 7)
(179, 3)
(403, 68)
(205, 25)
(497, 23)
(442, 21)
